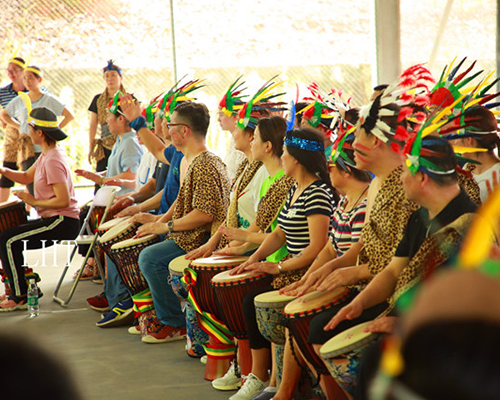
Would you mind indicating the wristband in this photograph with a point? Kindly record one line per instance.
(138, 123)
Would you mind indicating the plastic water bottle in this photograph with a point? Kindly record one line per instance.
(33, 306)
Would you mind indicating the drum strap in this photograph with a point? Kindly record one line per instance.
(143, 301)
(225, 347)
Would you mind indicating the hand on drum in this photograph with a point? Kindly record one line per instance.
(122, 203)
(264, 266)
(130, 107)
(234, 233)
(383, 325)
(91, 176)
(157, 228)
(339, 277)
(350, 311)
(112, 182)
(26, 197)
(231, 251)
(203, 251)
(145, 218)
(131, 210)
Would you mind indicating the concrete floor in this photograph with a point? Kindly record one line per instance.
(107, 363)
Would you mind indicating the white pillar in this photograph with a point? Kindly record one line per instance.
(387, 34)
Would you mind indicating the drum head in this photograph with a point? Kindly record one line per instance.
(219, 261)
(273, 298)
(178, 265)
(8, 204)
(133, 242)
(224, 277)
(116, 231)
(106, 226)
(349, 340)
(314, 300)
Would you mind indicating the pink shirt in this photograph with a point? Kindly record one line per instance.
(52, 168)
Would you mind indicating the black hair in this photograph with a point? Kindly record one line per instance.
(48, 139)
(443, 157)
(299, 107)
(358, 174)
(195, 115)
(273, 129)
(453, 360)
(313, 161)
(484, 121)
(352, 116)
(380, 87)
(21, 60)
(39, 74)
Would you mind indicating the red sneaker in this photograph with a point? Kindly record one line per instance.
(160, 333)
(99, 303)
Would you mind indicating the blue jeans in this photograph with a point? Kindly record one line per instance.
(153, 262)
(114, 288)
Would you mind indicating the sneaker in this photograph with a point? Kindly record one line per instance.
(267, 394)
(230, 381)
(99, 303)
(161, 333)
(97, 280)
(10, 305)
(121, 314)
(203, 359)
(252, 387)
(134, 330)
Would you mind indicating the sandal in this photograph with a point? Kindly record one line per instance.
(89, 271)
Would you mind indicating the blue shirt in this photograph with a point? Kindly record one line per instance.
(7, 94)
(126, 154)
(172, 183)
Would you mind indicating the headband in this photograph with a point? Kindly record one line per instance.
(17, 62)
(35, 70)
(112, 67)
(304, 144)
(169, 100)
(43, 124)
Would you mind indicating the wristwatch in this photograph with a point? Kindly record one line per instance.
(170, 225)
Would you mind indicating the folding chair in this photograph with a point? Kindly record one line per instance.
(87, 236)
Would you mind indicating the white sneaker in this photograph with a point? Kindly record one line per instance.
(252, 387)
(230, 381)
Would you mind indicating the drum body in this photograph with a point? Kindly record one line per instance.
(269, 308)
(12, 213)
(300, 312)
(343, 352)
(176, 268)
(206, 269)
(126, 256)
(230, 291)
(120, 232)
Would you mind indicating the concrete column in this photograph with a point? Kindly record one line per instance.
(387, 35)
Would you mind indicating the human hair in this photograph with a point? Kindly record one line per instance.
(380, 87)
(49, 378)
(36, 68)
(273, 130)
(48, 139)
(313, 161)
(19, 59)
(453, 360)
(195, 115)
(299, 107)
(352, 116)
(443, 157)
(484, 121)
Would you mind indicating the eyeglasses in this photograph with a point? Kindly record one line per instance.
(170, 125)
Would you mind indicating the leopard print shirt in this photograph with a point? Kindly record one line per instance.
(385, 228)
(206, 189)
(468, 183)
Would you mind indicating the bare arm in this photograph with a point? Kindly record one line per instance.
(61, 197)
(22, 177)
(68, 117)
(8, 120)
(92, 131)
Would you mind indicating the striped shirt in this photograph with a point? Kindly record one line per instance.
(346, 226)
(7, 94)
(317, 198)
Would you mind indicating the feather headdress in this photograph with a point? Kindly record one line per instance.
(232, 101)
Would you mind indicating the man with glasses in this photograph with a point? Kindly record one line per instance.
(197, 213)
(10, 146)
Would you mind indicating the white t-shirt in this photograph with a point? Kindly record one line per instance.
(484, 177)
(233, 159)
(145, 170)
(17, 110)
(249, 199)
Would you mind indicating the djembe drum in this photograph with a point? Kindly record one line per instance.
(12, 214)
(196, 337)
(301, 311)
(120, 232)
(202, 292)
(269, 308)
(343, 352)
(126, 257)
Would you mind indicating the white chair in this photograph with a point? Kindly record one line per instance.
(103, 198)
